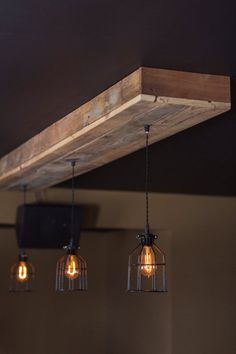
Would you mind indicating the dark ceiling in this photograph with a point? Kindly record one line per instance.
(56, 55)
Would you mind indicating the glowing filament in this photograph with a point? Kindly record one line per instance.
(147, 261)
(72, 267)
(22, 272)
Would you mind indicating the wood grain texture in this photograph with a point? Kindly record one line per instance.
(110, 126)
(180, 84)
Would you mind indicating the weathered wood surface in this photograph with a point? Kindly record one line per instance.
(111, 125)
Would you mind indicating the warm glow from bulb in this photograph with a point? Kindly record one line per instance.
(147, 261)
(22, 272)
(72, 267)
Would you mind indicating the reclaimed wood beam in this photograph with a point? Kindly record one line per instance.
(111, 125)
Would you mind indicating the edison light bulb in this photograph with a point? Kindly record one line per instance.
(22, 272)
(72, 267)
(147, 261)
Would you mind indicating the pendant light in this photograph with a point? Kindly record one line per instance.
(22, 272)
(71, 270)
(146, 265)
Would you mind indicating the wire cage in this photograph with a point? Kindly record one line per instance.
(147, 266)
(22, 275)
(71, 272)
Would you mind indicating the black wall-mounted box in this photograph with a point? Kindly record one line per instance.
(46, 225)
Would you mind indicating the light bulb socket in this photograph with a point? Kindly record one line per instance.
(70, 249)
(146, 239)
(23, 257)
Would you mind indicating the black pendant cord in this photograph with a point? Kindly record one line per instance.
(22, 251)
(72, 204)
(147, 129)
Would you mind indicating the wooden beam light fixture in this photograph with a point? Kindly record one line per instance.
(110, 125)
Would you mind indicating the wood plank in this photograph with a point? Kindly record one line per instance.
(111, 125)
